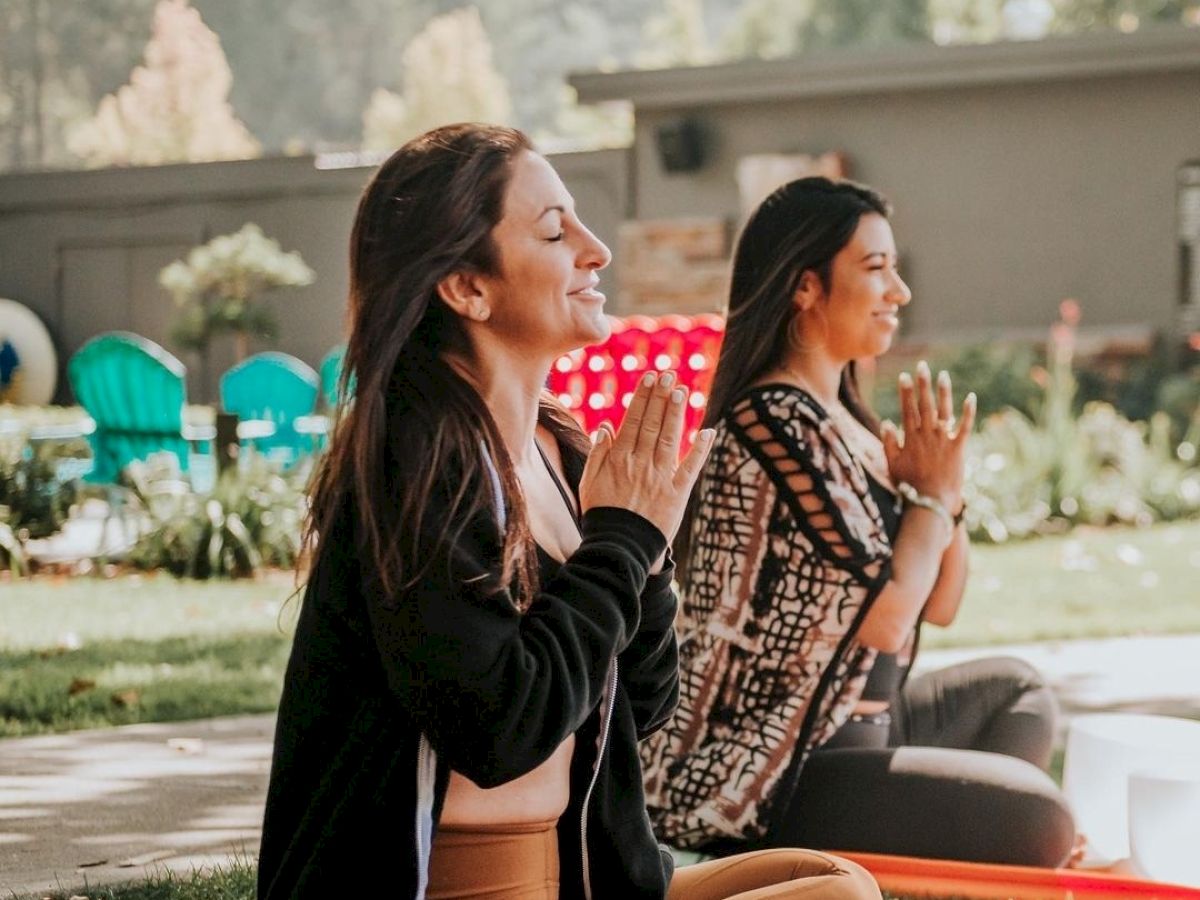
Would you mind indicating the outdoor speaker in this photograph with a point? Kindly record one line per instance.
(681, 145)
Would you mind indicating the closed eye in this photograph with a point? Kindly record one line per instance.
(557, 237)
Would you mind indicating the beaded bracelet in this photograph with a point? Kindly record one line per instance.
(914, 498)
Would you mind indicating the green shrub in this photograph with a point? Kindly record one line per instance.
(250, 520)
(33, 502)
(1031, 475)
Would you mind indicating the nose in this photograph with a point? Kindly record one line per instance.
(593, 253)
(899, 292)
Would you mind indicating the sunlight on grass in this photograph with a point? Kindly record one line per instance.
(1091, 583)
(54, 611)
(88, 652)
(233, 882)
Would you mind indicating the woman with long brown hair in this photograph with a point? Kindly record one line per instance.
(816, 545)
(487, 628)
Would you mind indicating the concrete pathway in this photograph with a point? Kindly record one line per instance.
(117, 804)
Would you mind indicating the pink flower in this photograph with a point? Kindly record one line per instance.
(1070, 311)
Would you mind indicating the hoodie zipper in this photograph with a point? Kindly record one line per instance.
(605, 724)
(426, 778)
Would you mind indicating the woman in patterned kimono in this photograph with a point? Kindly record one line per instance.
(815, 546)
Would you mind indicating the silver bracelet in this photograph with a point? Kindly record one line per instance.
(913, 497)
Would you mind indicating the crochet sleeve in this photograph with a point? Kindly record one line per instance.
(822, 486)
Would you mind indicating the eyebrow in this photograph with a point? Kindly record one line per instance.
(550, 209)
(882, 253)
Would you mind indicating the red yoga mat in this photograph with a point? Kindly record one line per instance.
(947, 878)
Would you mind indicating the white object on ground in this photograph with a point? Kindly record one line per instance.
(1164, 823)
(1102, 750)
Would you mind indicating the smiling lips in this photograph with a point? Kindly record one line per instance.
(890, 316)
(589, 292)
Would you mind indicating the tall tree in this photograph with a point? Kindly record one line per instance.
(175, 108)
(448, 77)
(768, 28)
(676, 36)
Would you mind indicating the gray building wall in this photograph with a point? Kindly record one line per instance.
(83, 249)
(1020, 173)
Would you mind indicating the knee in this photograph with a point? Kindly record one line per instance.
(853, 881)
(1043, 834)
(1017, 671)
(1027, 687)
(1033, 822)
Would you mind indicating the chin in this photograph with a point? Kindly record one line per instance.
(596, 330)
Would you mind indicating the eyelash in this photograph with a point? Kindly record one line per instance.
(557, 237)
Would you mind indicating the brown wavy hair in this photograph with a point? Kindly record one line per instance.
(415, 425)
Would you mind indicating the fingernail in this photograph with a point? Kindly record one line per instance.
(707, 434)
(667, 379)
(649, 378)
(943, 377)
(905, 380)
(971, 399)
(677, 395)
(923, 368)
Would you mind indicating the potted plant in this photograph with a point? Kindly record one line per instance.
(219, 288)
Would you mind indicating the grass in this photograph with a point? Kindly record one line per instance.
(232, 882)
(1092, 583)
(86, 653)
(89, 652)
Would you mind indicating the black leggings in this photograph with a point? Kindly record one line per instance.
(959, 775)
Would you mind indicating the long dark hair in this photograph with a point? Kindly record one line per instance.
(800, 227)
(428, 212)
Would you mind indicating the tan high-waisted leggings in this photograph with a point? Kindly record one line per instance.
(520, 862)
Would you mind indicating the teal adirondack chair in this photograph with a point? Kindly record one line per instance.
(277, 388)
(134, 390)
(331, 375)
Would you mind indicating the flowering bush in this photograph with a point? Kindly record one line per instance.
(218, 287)
(1029, 475)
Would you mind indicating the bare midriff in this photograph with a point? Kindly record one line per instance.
(537, 796)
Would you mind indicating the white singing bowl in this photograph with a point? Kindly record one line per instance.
(1164, 824)
(1102, 750)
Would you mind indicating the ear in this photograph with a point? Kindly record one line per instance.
(464, 294)
(809, 291)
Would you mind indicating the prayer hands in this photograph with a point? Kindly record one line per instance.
(929, 453)
(637, 467)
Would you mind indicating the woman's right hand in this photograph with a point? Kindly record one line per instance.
(638, 466)
(929, 455)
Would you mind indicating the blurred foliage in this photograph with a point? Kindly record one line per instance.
(448, 77)
(251, 520)
(34, 502)
(304, 71)
(174, 108)
(1062, 466)
(218, 288)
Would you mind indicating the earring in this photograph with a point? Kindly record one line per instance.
(482, 314)
(793, 334)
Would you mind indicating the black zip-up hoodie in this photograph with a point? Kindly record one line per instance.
(383, 697)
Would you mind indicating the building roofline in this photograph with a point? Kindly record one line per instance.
(912, 67)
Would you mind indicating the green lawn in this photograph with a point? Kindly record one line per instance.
(87, 652)
(236, 882)
(1091, 583)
